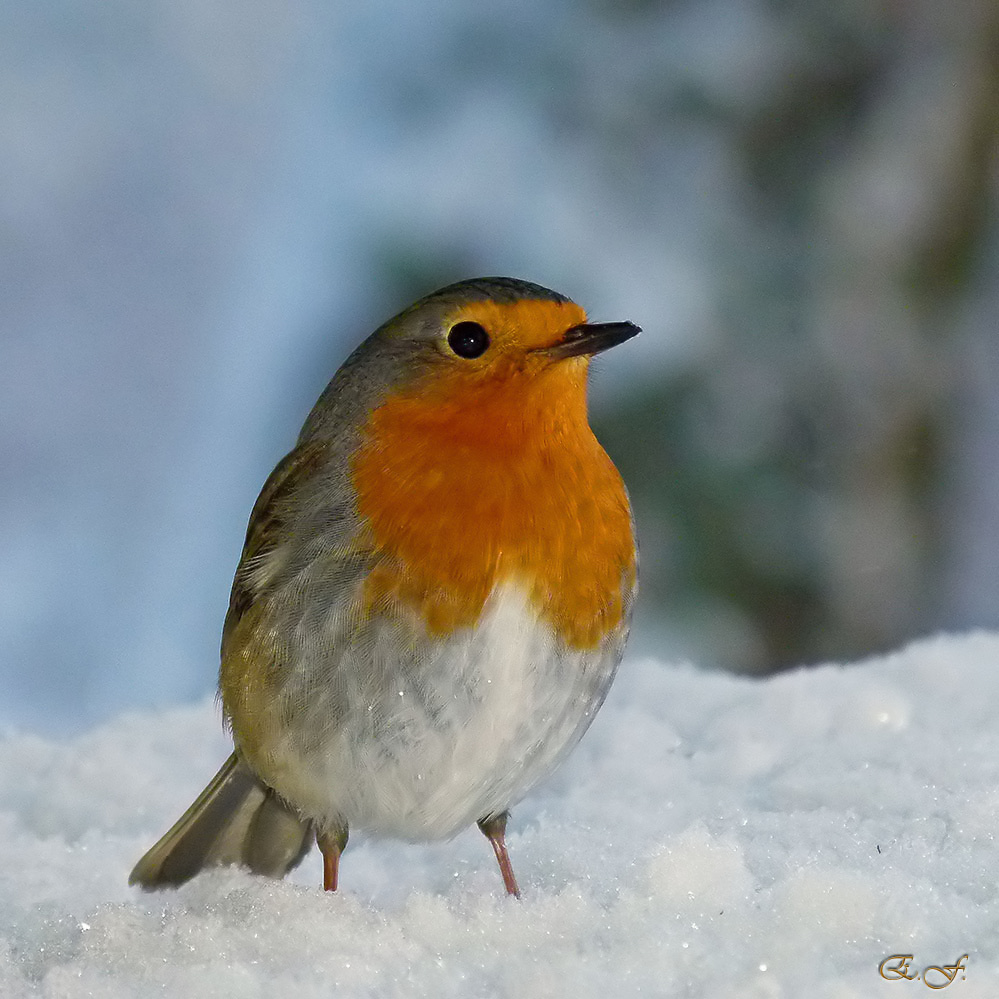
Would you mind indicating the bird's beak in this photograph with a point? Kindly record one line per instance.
(590, 338)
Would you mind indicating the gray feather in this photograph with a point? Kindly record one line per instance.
(235, 820)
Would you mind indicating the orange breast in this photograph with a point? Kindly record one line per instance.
(467, 485)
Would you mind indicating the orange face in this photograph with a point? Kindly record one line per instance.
(485, 471)
(524, 325)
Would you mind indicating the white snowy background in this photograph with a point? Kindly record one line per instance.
(711, 837)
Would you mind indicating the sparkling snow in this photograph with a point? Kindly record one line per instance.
(711, 836)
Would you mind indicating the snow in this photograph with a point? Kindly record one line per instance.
(711, 836)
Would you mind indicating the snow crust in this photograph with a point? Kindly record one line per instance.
(711, 836)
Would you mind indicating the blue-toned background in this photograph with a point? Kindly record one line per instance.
(204, 205)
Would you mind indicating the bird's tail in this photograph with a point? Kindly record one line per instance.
(236, 820)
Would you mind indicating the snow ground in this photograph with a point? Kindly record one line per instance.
(711, 836)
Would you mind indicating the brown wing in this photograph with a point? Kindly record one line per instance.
(305, 555)
(276, 506)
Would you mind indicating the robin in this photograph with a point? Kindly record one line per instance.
(433, 596)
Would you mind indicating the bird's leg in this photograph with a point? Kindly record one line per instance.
(332, 843)
(494, 828)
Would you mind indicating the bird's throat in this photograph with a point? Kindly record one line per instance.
(459, 495)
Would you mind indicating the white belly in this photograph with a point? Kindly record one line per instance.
(421, 745)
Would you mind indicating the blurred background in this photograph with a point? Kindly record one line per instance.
(204, 205)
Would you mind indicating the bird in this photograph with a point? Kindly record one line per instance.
(433, 597)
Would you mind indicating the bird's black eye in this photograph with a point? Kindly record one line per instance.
(468, 339)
